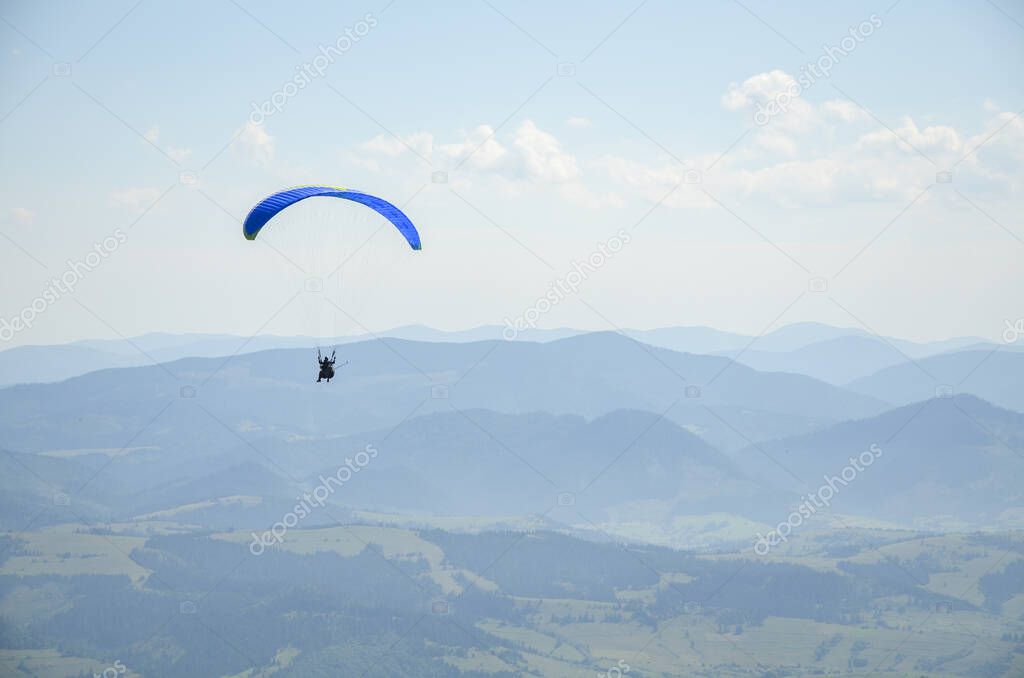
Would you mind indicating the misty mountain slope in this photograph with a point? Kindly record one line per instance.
(590, 370)
(626, 464)
(597, 373)
(96, 488)
(835, 361)
(249, 478)
(693, 339)
(995, 375)
(838, 355)
(946, 459)
(45, 490)
(43, 364)
(273, 393)
(478, 462)
(33, 364)
(804, 334)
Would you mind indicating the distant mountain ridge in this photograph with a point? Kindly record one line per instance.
(40, 364)
(945, 463)
(995, 374)
(722, 401)
(473, 462)
(838, 361)
(480, 462)
(937, 461)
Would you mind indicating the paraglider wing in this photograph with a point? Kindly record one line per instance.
(267, 208)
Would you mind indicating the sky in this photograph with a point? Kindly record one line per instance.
(751, 164)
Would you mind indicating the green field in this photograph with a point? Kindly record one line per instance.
(639, 625)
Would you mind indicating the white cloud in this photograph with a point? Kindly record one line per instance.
(542, 155)
(480, 147)
(533, 160)
(152, 135)
(479, 150)
(735, 99)
(639, 175)
(256, 143)
(653, 183)
(940, 138)
(422, 143)
(844, 111)
(23, 215)
(774, 96)
(134, 198)
(996, 153)
(794, 183)
(578, 121)
(830, 153)
(760, 87)
(777, 142)
(806, 176)
(813, 154)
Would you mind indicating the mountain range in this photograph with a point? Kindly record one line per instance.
(596, 428)
(833, 354)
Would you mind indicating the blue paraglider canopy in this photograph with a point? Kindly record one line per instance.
(268, 208)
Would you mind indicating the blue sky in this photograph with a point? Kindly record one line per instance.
(831, 211)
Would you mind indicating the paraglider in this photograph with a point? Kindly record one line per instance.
(269, 207)
(327, 366)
